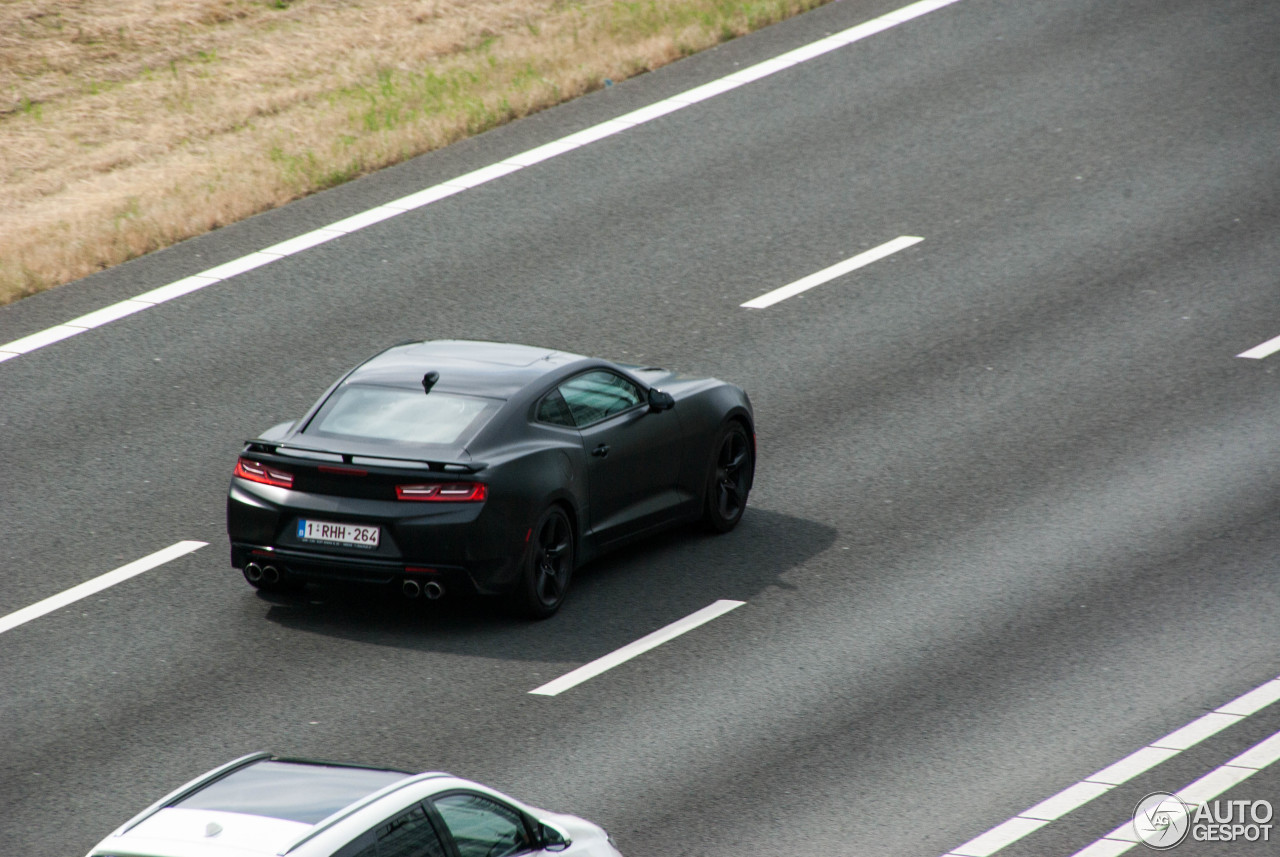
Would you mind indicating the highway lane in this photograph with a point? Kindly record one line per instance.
(1013, 518)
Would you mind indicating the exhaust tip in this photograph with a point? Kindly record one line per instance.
(411, 589)
(433, 590)
(271, 574)
(253, 572)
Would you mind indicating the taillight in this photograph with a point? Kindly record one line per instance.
(454, 492)
(256, 471)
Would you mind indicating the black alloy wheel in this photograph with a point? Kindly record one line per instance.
(548, 566)
(729, 483)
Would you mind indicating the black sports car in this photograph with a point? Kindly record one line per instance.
(496, 468)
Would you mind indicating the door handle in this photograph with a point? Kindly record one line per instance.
(602, 450)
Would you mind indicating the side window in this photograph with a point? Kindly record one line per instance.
(554, 410)
(364, 845)
(482, 827)
(592, 396)
(409, 834)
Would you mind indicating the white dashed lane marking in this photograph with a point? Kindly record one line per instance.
(1266, 349)
(1203, 790)
(639, 647)
(1136, 763)
(839, 269)
(91, 587)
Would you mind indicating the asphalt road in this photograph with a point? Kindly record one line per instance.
(1015, 510)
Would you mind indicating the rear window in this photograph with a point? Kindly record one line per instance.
(293, 791)
(401, 415)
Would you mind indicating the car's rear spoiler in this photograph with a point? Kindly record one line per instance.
(272, 447)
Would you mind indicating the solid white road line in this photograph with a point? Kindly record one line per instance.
(838, 270)
(639, 647)
(89, 587)
(1266, 349)
(1196, 794)
(27, 344)
(1103, 781)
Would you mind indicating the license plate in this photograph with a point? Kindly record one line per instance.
(328, 532)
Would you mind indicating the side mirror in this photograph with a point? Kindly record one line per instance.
(660, 401)
(553, 838)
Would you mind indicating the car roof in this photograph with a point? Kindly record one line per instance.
(206, 833)
(258, 804)
(492, 369)
(290, 789)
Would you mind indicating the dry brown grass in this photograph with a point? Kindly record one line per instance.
(128, 125)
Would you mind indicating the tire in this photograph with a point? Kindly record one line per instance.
(729, 480)
(546, 568)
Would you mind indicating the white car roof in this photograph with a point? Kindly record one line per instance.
(260, 805)
(263, 805)
(175, 832)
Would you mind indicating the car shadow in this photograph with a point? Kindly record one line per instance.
(613, 601)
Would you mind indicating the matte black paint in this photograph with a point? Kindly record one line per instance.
(653, 475)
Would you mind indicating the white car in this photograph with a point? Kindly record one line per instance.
(262, 805)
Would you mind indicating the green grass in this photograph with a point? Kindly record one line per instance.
(289, 148)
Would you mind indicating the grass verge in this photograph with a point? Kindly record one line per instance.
(129, 125)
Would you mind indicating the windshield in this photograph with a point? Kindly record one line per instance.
(400, 415)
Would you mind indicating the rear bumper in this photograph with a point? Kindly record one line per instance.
(473, 545)
(319, 568)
